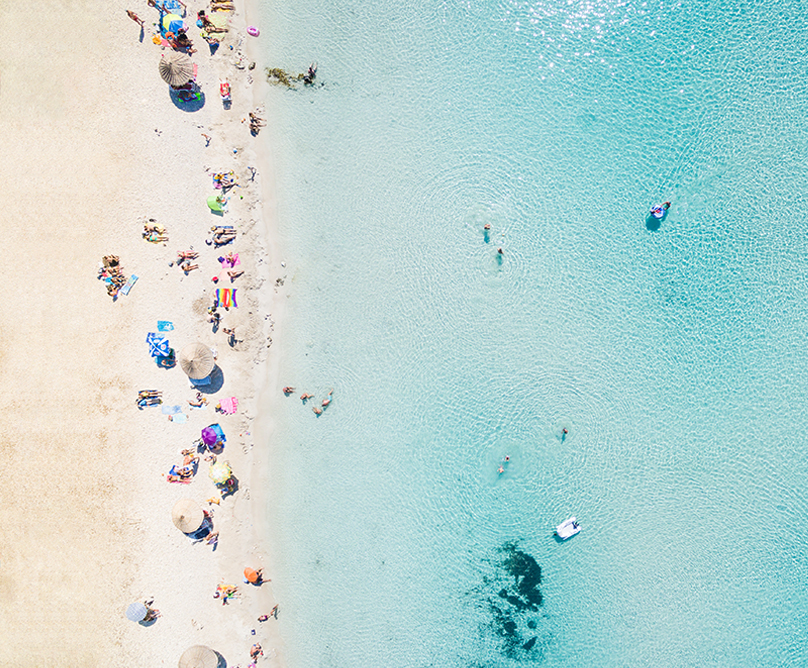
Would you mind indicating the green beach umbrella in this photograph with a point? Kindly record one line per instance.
(214, 203)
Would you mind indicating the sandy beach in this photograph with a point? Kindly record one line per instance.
(93, 146)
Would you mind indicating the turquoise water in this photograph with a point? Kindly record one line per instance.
(673, 357)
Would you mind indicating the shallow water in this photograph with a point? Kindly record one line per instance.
(672, 356)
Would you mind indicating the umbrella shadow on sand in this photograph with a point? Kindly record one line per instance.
(192, 105)
(216, 381)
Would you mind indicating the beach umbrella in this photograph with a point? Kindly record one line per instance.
(176, 68)
(214, 203)
(209, 436)
(136, 612)
(187, 515)
(158, 345)
(199, 656)
(220, 472)
(196, 360)
(170, 22)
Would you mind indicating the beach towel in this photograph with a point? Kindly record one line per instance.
(225, 297)
(171, 410)
(165, 326)
(126, 288)
(229, 405)
(227, 264)
(158, 345)
(180, 418)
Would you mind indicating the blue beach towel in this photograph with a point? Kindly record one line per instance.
(180, 418)
(171, 410)
(165, 326)
(126, 288)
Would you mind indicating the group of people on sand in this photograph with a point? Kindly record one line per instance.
(183, 473)
(149, 398)
(256, 123)
(111, 272)
(318, 410)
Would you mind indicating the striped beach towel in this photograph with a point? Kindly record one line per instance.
(225, 297)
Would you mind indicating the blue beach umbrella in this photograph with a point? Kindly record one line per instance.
(158, 345)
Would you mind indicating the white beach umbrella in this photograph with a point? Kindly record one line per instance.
(136, 612)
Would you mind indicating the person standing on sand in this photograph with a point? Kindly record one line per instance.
(135, 18)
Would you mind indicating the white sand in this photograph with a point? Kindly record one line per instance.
(91, 144)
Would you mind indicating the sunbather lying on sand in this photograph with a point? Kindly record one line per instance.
(223, 239)
(148, 401)
(234, 275)
(188, 267)
(187, 255)
(199, 401)
(256, 119)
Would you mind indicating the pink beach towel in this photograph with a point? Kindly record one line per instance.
(229, 405)
(226, 264)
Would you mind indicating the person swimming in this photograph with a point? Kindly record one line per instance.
(659, 210)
